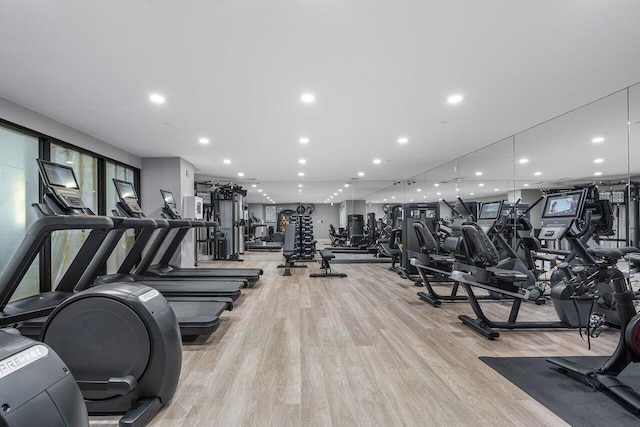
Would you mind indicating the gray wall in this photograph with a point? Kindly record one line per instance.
(324, 215)
(30, 119)
(172, 174)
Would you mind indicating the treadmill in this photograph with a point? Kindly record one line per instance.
(130, 206)
(197, 315)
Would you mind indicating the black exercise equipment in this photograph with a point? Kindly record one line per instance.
(562, 218)
(628, 348)
(130, 206)
(326, 256)
(338, 238)
(197, 314)
(428, 214)
(121, 342)
(390, 248)
(36, 387)
(433, 264)
(289, 250)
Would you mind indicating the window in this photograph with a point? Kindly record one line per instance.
(19, 189)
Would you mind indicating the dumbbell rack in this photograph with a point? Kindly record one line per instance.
(305, 245)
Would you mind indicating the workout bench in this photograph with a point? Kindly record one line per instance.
(326, 255)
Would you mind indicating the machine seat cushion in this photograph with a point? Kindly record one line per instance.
(327, 254)
(611, 253)
(508, 275)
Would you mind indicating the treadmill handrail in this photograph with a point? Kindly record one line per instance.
(35, 239)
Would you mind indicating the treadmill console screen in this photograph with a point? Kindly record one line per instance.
(490, 210)
(61, 184)
(562, 205)
(125, 190)
(128, 195)
(170, 206)
(60, 176)
(560, 211)
(168, 198)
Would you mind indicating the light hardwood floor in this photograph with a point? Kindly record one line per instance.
(356, 351)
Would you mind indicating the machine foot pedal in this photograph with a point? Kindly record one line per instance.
(141, 414)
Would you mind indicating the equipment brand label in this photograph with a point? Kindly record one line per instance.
(148, 295)
(19, 360)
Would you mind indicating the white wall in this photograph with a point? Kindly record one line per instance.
(29, 119)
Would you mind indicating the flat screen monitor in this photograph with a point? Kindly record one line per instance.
(563, 205)
(168, 198)
(59, 175)
(490, 210)
(125, 189)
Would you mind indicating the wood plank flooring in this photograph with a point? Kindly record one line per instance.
(356, 351)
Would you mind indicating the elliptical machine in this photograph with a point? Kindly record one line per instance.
(121, 342)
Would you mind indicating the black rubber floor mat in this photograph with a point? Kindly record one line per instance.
(571, 399)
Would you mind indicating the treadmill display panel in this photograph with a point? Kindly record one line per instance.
(490, 210)
(168, 198)
(125, 189)
(60, 176)
(562, 205)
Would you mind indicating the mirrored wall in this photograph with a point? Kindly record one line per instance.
(597, 144)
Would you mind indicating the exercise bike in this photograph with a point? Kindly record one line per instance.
(628, 348)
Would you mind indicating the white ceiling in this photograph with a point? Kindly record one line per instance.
(233, 71)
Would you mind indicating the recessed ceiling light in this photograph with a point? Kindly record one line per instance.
(260, 190)
(597, 173)
(226, 161)
(384, 200)
(537, 173)
(266, 195)
(69, 162)
(471, 194)
(598, 161)
(523, 160)
(303, 140)
(307, 98)
(597, 140)
(240, 173)
(436, 185)
(377, 161)
(481, 185)
(335, 194)
(360, 173)
(525, 185)
(339, 189)
(393, 197)
(478, 173)
(300, 173)
(411, 200)
(254, 185)
(346, 185)
(454, 99)
(157, 98)
(403, 140)
(203, 140)
(496, 189)
(419, 189)
(302, 161)
(438, 193)
(299, 185)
